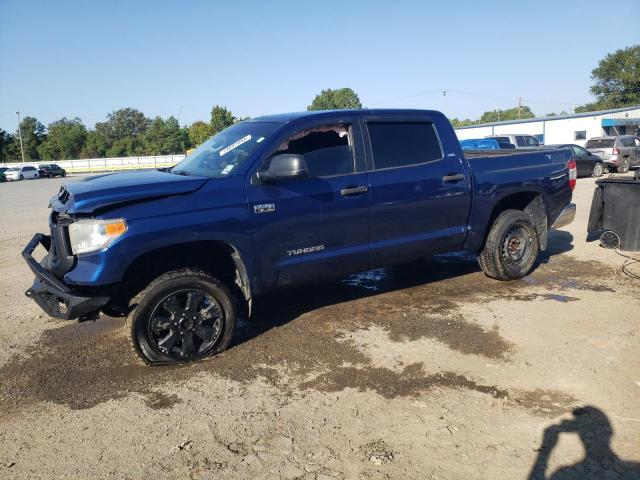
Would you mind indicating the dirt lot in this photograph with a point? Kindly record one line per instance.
(429, 370)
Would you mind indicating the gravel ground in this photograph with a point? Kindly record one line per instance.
(428, 370)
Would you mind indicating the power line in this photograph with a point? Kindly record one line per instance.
(406, 98)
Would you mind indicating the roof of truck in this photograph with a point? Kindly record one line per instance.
(288, 117)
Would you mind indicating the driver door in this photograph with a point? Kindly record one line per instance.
(315, 227)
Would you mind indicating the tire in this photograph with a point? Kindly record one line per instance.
(51, 175)
(501, 258)
(598, 170)
(64, 174)
(160, 322)
(36, 176)
(624, 166)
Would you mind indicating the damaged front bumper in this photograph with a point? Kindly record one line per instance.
(56, 298)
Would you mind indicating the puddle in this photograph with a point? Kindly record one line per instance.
(412, 381)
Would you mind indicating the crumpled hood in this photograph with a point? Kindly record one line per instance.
(93, 193)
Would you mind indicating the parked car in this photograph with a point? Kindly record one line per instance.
(520, 141)
(21, 173)
(485, 144)
(618, 153)
(2, 177)
(588, 164)
(286, 200)
(51, 170)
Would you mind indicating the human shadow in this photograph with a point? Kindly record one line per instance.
(600, 462)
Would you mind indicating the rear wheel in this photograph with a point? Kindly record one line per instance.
(598, 170)
(180, 317)
(624, 166)
(511, 248)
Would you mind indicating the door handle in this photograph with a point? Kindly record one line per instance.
(353, 190)
(453, 177)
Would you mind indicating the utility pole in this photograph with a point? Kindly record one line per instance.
(519, 105)
(444, 101)
(20, 135)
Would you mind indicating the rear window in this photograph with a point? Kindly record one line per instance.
(627, 142)
(600, 143)
(398, 144)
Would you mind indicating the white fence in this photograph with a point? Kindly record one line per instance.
(97, 165)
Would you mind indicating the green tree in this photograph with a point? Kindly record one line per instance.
(221, 118)
(33, 134)
(5, 141)
(65, 139)
(95, 146)
(339, 99)
(461, 123)
(126, 123)
(616, 79)
(499, 115)
(164, 137)
(199, 132)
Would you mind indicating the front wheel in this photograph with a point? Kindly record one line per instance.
(181, 316)
(598, 170)
(511, 248)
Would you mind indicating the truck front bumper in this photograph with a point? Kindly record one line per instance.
(56, 298)
(567, 215)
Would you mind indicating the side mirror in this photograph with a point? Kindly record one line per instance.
(285, 168)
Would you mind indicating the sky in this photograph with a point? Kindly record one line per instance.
(87, 58)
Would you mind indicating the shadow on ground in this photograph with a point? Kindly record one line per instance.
(600, 462)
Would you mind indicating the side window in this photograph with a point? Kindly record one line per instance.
(577, 151)
(580, 135)
(328, 150)
(520, 140)
(397, 144)
(531, 141)
(627, 142)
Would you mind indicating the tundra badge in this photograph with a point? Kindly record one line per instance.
(264, 208)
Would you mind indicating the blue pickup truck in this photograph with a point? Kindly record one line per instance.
(283, 200)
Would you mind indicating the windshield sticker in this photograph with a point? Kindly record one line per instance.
(235, 144)
(227, 169)
(259, 140)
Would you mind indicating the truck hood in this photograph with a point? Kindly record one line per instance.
(95, 193)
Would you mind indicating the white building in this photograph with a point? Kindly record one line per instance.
(576, 128)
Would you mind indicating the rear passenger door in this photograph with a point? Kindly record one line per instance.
(420, 196)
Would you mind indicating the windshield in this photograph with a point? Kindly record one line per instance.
(600, 143)
(226, 151)
(13, 169)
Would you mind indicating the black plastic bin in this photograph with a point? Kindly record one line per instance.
(616, 208)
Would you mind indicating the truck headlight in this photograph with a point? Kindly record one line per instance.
(91, 235)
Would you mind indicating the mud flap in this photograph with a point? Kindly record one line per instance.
(538, 212)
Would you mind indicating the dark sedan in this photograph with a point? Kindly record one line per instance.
(51, 170)
(589, 164)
